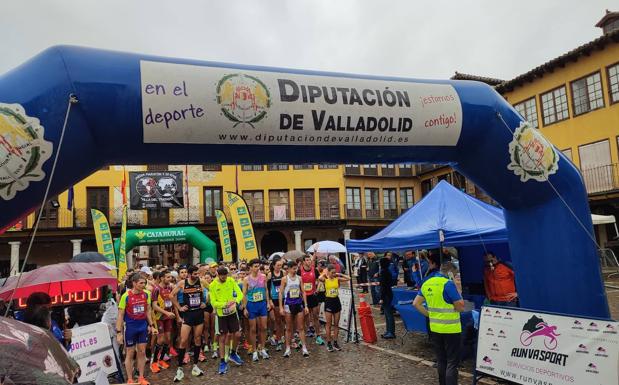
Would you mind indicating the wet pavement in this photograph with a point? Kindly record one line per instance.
(405, 360)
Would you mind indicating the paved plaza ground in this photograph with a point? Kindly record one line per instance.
(405, 360)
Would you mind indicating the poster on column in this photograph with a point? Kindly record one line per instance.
(184, 103)
(539, 348)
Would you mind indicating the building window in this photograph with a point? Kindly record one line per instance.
(352, 169)
(390, 204)
(370, 169)
(426, 187)
(372, 205)
(554, 106)
(405, 169)
(211, 167)
(327, 166)
(212, 201)
(329, 203)
(596, 167)
(387, 169)
(303, 166)
(587, 94)
(528, 110)
(157, 167)
(406, 198)
(353, 202)
(252, 167)
(97, 198)
(255, 204)
(279, 205)
(277, 167)
(304, 204)
(49, 214)
(613, 82)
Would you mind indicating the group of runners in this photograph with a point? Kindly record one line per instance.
(195, 311)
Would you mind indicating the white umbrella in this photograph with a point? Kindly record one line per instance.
(277, 254)
(326, 247)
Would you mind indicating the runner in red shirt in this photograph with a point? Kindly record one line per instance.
(134, 313)
(309, 276)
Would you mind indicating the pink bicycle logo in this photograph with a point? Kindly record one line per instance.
(547, 332)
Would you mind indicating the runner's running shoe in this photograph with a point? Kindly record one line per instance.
(186, 359)
(162, 364)
(254, 357)
(279, 347)
(155, 368)
(272, 341)
(264, 354)
(287, 353)
(201, 357)
(215, 354)
(320, 341)
(195, 371)
(329, 347)
(179, 375)
(143, 381)
(223, 368)
(234, 357)
(173, 352)
(305, 352)
(336, 346)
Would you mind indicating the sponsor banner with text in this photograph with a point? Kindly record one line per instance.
(91, 348)
(103, 236)
(196, 104)
(243, 228)
(224, 236)
(526, 347)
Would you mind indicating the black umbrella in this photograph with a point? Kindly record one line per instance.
(89, 256)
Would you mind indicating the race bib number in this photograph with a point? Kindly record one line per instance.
(294, 292)
(194, 301)
(332, 293)
(258, 296)
(229, 310)
(138, 309)
(307, 286)
(167, 304)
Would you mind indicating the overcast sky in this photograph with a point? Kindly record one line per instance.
(423, 39)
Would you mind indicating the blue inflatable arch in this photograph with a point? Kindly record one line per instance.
(135, 109)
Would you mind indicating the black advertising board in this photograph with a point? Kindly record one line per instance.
(156, 189)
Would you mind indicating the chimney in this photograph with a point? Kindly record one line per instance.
(609, 23)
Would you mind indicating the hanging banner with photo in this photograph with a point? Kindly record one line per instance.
(243, 229)
(156, 189)
(224, 236)
(122, 254)
(529, 347)
(105, 244)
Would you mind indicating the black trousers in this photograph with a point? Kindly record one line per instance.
(447, 350)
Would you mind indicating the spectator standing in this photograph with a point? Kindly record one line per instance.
(499, 281)
(386, 297)
(373, 269)
(362, 272)
(444, 307)
(407, 267)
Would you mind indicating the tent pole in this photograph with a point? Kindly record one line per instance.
(352, 301)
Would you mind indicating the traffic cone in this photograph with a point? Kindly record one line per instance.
(367, 321)
(362, 301)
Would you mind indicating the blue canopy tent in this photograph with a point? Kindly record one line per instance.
(468, 224)
(464, 221)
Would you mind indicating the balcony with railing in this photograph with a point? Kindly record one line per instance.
(195, 215)
(601, 179)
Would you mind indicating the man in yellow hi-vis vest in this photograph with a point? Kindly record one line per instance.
(444, 307)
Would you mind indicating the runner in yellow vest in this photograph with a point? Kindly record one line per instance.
(444, 305)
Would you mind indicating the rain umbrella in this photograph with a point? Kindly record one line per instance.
(277, 254)
(292, 255)
(326, 247)
(89, 256)
(31, 355)
(60, 279)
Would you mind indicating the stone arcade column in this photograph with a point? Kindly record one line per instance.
(297, 240)
(15, 257)
(77, 246)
